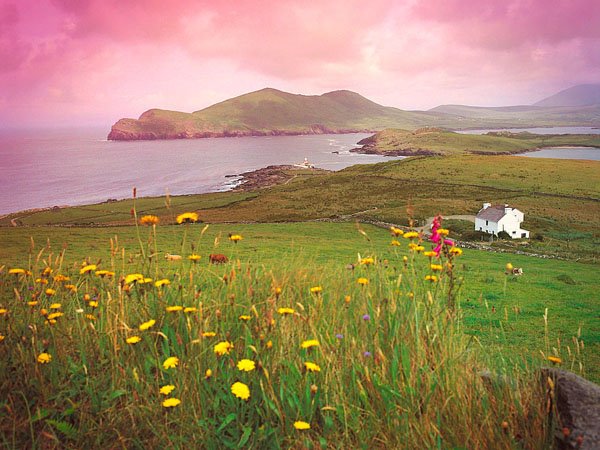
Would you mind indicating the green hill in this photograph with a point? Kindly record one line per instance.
(273, 112)
(436, 141)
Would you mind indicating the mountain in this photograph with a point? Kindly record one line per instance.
(270, 112)
(576, 106)
(273, 112)
(580, 95)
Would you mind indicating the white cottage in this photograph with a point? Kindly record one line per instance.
(494, 219)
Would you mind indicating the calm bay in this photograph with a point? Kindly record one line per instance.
(73, 167)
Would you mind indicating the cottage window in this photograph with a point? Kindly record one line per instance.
(486, 223)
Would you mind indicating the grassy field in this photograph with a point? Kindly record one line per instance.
(396, 364)
(568, 289)
(443, 142)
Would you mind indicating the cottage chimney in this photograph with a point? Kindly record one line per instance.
(507, 209)
(486, 205)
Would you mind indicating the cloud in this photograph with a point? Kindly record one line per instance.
(74, 58)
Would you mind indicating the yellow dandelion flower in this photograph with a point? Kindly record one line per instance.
(146, 325)
(133, 278)
(190, 309)
(87, 269)
(431, 278)
(133, 340)
(54, 316)
(50, 292)
(235, 238)
(149, 220)
(240, 390)
(16, 271)
(310, 343)
(396, 231)
(300, 425)
(443, 231)
(284, 311)
(555, 359)
(71, 287)
(245, 317)
(509, 267)
(174, 308)
(41, 280)
(395, 243)
(55, 306)
(278, 291)
(61, 278)
(171, 362)
(208, 374)
(311, 367)
(367, 261)
(33, 303)
(93, 304)
(167, 389)
(104, 273)
(171, 402)
(2, 337)
(269, 344)
(145, 280)
(44, 358)
(411, 235)
(163, 282)
(90, 317)
(436, 267)
(430, 253)
(362, 281)
(188, 217)
(455, 251)
(223, 348)
(316, 290)
(194, 257)
(208, 334)
(246, 365)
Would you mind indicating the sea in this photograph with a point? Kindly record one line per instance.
(45, 168)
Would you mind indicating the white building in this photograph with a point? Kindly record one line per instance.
(494, 219)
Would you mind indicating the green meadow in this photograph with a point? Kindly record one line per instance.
(396, 361)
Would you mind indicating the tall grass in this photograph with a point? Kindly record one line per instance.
(395, 368)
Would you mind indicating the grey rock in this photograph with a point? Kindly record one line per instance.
(577, 410)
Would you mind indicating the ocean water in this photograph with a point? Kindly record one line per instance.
(589, 153)
(72, 167)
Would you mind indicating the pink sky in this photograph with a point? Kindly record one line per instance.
(82, 62)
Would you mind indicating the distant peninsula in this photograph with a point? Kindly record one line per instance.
(270, 112)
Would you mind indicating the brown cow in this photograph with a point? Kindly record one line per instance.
(217, 258)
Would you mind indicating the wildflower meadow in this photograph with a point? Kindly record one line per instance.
(142, 351)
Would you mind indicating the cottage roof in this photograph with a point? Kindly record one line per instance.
(492, 213)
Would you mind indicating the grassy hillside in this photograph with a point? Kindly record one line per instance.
(269, 111)
(438, 141)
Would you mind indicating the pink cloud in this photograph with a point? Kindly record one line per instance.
(102, 59)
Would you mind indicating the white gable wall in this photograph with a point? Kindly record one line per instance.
(487, 226)
(510, 223)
